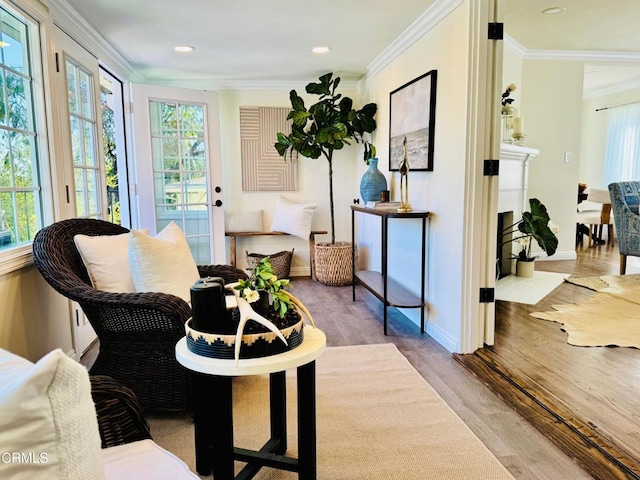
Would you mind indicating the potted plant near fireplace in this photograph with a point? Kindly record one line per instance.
(320, 130)
(535, 224)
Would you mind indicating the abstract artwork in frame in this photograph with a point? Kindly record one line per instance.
(263, 169)
(412, 114)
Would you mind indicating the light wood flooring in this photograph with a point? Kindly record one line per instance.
(520, 447)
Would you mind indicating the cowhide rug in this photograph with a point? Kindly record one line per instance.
(610, 317)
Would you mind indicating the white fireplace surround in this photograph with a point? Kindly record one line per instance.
(513, 181)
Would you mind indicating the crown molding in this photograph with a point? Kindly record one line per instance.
(513, 44)
(68, 20)
(601, 92)
(583, 55)
(439, 10)
(230, 84)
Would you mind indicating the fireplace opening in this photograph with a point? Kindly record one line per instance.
(504, 245)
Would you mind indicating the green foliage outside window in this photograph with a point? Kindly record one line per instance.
(19, 177)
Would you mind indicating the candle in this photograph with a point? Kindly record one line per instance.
(518, 131)
(208, 306)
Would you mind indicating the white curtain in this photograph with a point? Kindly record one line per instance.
(622, 159)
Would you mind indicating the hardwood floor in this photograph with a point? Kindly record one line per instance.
(583, 398)
(524, 451)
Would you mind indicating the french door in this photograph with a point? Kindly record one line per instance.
(78, 86)
(178, 168)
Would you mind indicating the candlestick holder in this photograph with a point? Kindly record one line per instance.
(507, 128)
(518, 138)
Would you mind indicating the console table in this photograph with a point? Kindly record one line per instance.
(389, 291)
(213, 409)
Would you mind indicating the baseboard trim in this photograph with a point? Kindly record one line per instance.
(596, 453)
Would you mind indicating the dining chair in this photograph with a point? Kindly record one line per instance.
(595, 212)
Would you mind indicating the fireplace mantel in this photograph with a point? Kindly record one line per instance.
(513, 199)
(513, 180)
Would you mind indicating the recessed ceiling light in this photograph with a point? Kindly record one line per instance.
(320, 50)
(553, 10)
(184, 48)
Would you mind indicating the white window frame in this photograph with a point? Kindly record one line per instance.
(35, 16)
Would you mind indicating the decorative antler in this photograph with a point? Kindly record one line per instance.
(247, 313)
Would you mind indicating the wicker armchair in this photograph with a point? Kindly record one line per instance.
(120, 416)
(137, 331)
(625, 201)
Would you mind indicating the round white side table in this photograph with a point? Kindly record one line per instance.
(213, 409)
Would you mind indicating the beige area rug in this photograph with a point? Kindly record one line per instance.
(528, 290)
(611, 317)
(377, 419)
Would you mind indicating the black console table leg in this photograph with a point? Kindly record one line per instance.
(213, 424)
(307, 422)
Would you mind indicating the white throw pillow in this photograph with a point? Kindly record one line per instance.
(243, 221)
(293, 218)
(163, 263)
(48, 426)
(106, 258)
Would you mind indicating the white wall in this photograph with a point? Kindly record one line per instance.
(594, 135)
(34, 319)
(552, 104)
(445, 49)
(512, 73)
(313, 180)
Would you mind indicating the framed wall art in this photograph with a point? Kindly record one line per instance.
(412, 112)
(262, 168)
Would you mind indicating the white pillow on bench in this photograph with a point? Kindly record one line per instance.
(243, 221)
(293, 218)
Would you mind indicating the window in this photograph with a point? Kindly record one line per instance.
(84, 132)
(20, 192)
(622, 158)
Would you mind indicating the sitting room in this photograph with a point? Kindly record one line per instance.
(272, 222)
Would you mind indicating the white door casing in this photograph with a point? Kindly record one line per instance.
(148, 179)
(82, 149)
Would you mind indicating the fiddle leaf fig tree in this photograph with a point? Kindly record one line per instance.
(325, 126)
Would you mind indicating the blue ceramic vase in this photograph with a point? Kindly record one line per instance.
(372, 183)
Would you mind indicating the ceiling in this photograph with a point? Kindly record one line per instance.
(249, 40)
(604, 33)
(259, 41)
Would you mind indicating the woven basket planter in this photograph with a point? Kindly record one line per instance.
(281, 262)
(333, 263)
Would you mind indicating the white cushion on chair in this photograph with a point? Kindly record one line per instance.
(141, 460)
(106, 258)
(589, 218)
(163, 263)
(47, 418)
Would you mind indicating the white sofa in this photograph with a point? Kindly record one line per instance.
(49, 428)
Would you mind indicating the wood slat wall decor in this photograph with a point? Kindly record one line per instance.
(262, 168)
